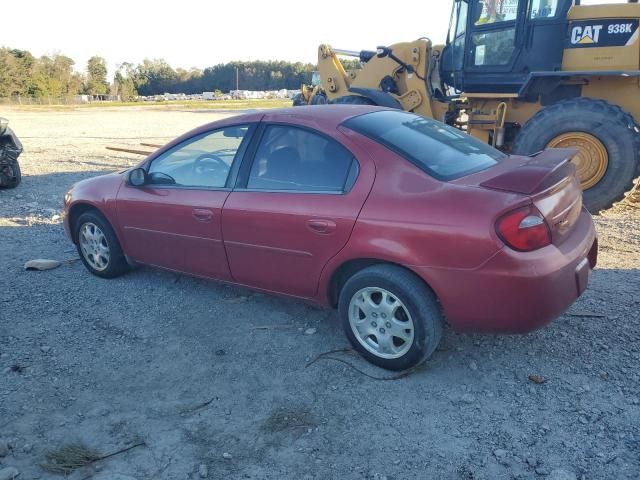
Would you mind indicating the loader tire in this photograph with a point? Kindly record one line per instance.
(352, 100)
(319, 98)
(606, 137)
(299, 100)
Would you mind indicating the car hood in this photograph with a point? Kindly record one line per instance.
(101, 187)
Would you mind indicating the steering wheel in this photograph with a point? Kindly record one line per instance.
(203, 165)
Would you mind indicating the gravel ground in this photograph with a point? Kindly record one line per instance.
(212, 378)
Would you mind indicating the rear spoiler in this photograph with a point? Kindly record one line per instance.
(538, 172)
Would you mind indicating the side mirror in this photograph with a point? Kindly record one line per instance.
(138, 177)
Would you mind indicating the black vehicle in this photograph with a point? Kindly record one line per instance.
(10, 150)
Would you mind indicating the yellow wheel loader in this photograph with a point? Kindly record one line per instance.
(522, 75)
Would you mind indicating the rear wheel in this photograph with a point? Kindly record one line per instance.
(352, 100)
(605, 136)
(390, 317)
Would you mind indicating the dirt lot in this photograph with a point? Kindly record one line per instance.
(212, 378)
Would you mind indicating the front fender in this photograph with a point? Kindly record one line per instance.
(99, 193)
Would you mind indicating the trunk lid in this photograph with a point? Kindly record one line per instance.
(547, 178)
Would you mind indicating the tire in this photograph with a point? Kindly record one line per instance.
(320, 98)
(613, 129)
(352, 100)
(298, 100)
(14, 180)
(415, 308)
(102, 266)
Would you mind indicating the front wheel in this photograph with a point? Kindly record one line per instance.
(98, 246)
(11, 175)
(390, 317)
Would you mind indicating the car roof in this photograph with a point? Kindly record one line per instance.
(323, 117)
(329, 116)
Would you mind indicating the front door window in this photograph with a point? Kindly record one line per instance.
(203, 162)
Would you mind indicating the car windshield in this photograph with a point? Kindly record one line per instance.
(440, 150)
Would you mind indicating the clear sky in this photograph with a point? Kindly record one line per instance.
(190, 33)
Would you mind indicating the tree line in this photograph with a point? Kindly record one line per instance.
(22, 74)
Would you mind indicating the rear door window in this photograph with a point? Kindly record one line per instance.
(295, 159)
(438, 149)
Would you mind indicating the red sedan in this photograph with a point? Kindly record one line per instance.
(398, 221)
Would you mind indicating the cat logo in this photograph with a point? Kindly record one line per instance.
(584, 35)
(607, 33)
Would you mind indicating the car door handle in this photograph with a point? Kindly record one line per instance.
(321, 226)
(202, 214)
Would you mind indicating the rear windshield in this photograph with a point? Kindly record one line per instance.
(440, 150)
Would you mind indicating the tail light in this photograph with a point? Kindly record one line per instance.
(524, 229)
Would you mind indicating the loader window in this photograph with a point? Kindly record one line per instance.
(494, 34)
(461, 20)
(543, 8)
(438, 149)
(494, 47)
(494, 11)
(457, 29)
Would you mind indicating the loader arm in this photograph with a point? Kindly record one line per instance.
(384, 74)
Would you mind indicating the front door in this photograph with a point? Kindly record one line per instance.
(294, 209)
(174, 221)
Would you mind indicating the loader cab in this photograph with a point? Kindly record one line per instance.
(493, 45)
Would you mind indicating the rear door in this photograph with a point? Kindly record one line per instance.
(294, 207)
(175, 220)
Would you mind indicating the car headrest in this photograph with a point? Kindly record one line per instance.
(281, 161)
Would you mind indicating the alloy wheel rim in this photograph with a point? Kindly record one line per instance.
(591, 160)
(381, 323)
(94, 246)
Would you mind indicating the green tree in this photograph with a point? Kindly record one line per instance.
(53, 76)
(124, 82)
(97, 76)
(155, 77)
(16, 68)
